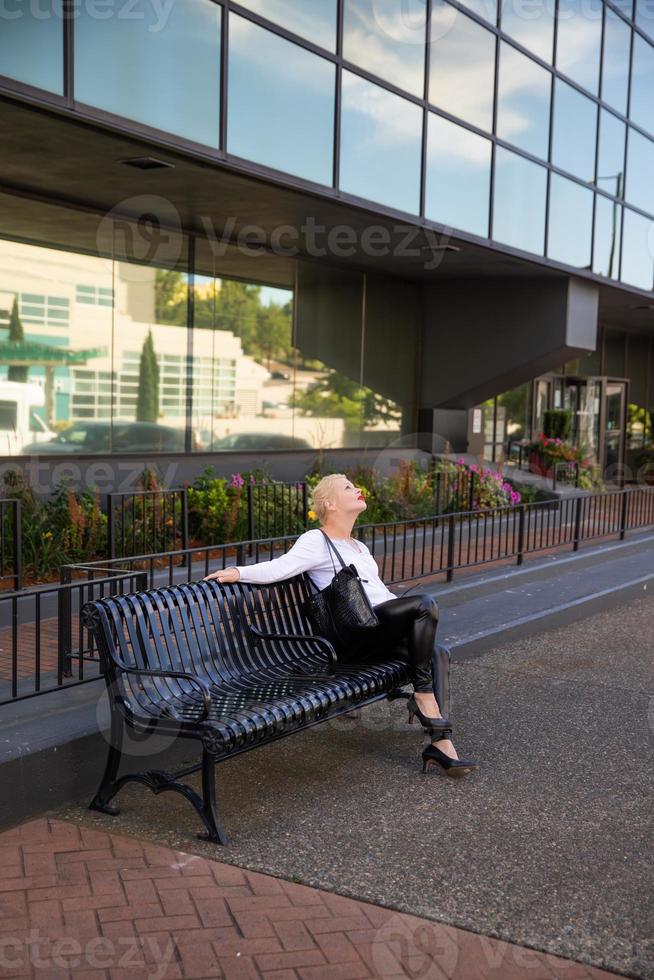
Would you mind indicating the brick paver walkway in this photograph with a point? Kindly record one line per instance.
(79, 903)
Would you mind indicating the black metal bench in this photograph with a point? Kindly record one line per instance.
(234, 666)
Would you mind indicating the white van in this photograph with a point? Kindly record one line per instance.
(19, 422)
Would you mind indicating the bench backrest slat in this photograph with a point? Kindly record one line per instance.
(201, 628)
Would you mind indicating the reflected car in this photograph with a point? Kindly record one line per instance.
(116, 437)
(260, 440)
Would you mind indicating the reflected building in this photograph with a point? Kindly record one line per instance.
(289, 226)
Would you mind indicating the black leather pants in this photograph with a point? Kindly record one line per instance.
(407, 626)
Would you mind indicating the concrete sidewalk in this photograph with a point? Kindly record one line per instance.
(548, 845)
(87, 905)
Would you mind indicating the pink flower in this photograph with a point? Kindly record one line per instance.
(461, 461)
(237, 480)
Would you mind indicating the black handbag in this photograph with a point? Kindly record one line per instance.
(341, 612)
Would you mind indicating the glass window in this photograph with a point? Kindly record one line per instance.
(387, 38)
(523, 102)
(243, 366)
(615, 67)
(626, 6)
(462, 71)
(531, 24)
(519, 202)
(640, 171)
(637, 250)
(31, 48)
(610, 160)
(165, 75)
(578, 39)
(313, 19)
(458, 177)
(281, 103)
(381, 139)
(570, 222)
(644, 16)
(574, 131)
(484, 8)
(641, 106)
(608, 224)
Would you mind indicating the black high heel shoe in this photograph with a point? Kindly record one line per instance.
(445, 763)
(435, 725)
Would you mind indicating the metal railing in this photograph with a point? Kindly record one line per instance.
(277, 509)
(453, 489)
(44, 646)
(146, 520)
(45, 618)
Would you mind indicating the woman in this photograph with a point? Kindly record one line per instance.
(338, 503)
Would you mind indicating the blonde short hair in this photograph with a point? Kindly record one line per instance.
(322, 493)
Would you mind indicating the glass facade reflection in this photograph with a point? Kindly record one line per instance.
(387, 38)
(640, 171)
(137, 376)
(349, 112)
(519, 202)
(462, 71)
(615, 63)
(152, 70)
(637, 250)
(523, 102)
(313, 19)
(641, 104)
(381, 138)
(570, 222)
(606, 242)
(531, 25)
(32, 50)
(579, 40)
(610, 154)
(458, 176)
(574, 131)
(281, 103)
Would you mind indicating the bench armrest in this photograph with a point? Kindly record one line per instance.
(295, 638)
(205, 690)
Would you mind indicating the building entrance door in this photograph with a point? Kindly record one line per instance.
(615, 397)
(598, 407)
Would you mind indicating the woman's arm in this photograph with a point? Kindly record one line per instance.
(303, 556)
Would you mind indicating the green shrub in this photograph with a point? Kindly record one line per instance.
(557, 423)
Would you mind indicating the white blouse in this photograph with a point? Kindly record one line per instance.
(312, 554)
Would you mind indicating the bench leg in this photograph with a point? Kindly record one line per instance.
(209, 811)
(159, 782)
(109, 785)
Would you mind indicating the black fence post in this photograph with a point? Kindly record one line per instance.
(111, 544)
(623, 513)
(18, 546)
(450, 547)
(250, 512)
(305, 504)
(186, 559)
(521, 533)
(577, 530)
(64, 625)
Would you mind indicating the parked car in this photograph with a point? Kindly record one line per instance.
(20, 422)
(260, 440)
(116, 437)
